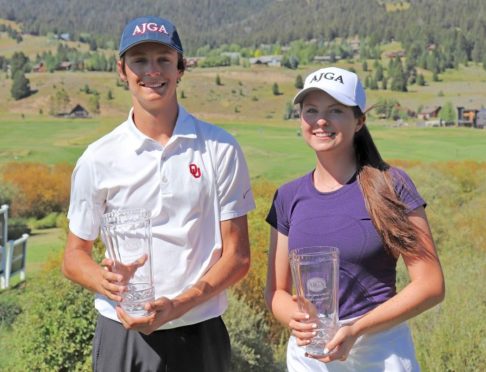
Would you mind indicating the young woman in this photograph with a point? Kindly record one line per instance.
(373, 213)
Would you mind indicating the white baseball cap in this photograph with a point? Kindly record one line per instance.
(343, 85)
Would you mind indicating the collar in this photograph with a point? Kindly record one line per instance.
(184, 128)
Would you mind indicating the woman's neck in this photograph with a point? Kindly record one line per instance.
(332, 175)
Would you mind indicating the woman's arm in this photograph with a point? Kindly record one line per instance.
(278, 291)
(425, 290)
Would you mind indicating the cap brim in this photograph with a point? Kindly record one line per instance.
(120, 53)
(336, 95)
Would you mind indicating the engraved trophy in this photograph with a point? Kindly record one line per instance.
(127, 235)
(315, 273)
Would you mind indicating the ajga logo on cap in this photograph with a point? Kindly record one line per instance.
(150, 27)
(327, 75)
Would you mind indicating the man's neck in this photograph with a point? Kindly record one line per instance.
(157, 124)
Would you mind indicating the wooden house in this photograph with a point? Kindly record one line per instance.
(481, 119)
(465, 117)
(64, 66)
(429, 112)
(78, 112)
(267, 60)
(39, 67)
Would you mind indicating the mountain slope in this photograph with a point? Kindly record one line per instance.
(251, 22)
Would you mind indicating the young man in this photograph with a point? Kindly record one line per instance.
(193, 178)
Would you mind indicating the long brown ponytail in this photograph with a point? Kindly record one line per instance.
(387, 212)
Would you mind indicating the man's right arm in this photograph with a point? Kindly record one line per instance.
(79, 266)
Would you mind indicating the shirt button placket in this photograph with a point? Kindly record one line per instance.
(163, 177)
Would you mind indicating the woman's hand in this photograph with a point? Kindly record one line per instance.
(302, 328)
(339, 346)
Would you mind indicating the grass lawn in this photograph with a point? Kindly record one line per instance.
(284, 152)
(42, 246)
(279, 154)
(48, 140)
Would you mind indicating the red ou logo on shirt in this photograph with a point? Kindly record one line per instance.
(195, 170)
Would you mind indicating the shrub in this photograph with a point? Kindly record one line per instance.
(47, 222)
(54, 332)
(247, 329)
(7, 193)
(40, 189)
(17, 227)
(9, 310)
(252, 287)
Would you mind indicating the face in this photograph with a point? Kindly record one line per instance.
(151, 73)
(328, 125)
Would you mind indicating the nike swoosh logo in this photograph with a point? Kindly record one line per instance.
(246, 193)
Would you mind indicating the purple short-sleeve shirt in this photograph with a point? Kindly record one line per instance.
(339, 218)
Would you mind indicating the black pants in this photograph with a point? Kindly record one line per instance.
(201, 347)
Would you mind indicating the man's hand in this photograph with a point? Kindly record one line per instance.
(160, 312)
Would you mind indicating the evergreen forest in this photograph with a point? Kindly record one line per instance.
(457, 26)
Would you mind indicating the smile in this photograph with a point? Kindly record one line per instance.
(324, 135)
(151, 84)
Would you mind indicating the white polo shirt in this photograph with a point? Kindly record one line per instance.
(196, 180)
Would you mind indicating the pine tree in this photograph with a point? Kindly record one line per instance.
(18, 62)
(20, 86)
(420, 80)
(299, 83)
(379, 72)
(94, 103)
(399, 79)
(275, 89)
(384, 84)
(373, 84)
(448, 114)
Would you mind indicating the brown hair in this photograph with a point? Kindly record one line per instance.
(388, 213)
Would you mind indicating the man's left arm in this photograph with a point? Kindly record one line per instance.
(229, 269)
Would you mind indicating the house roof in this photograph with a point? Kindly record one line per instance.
(78, 108)
(430, 109)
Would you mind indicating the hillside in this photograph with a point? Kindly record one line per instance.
(245, 94)
(252, 22)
